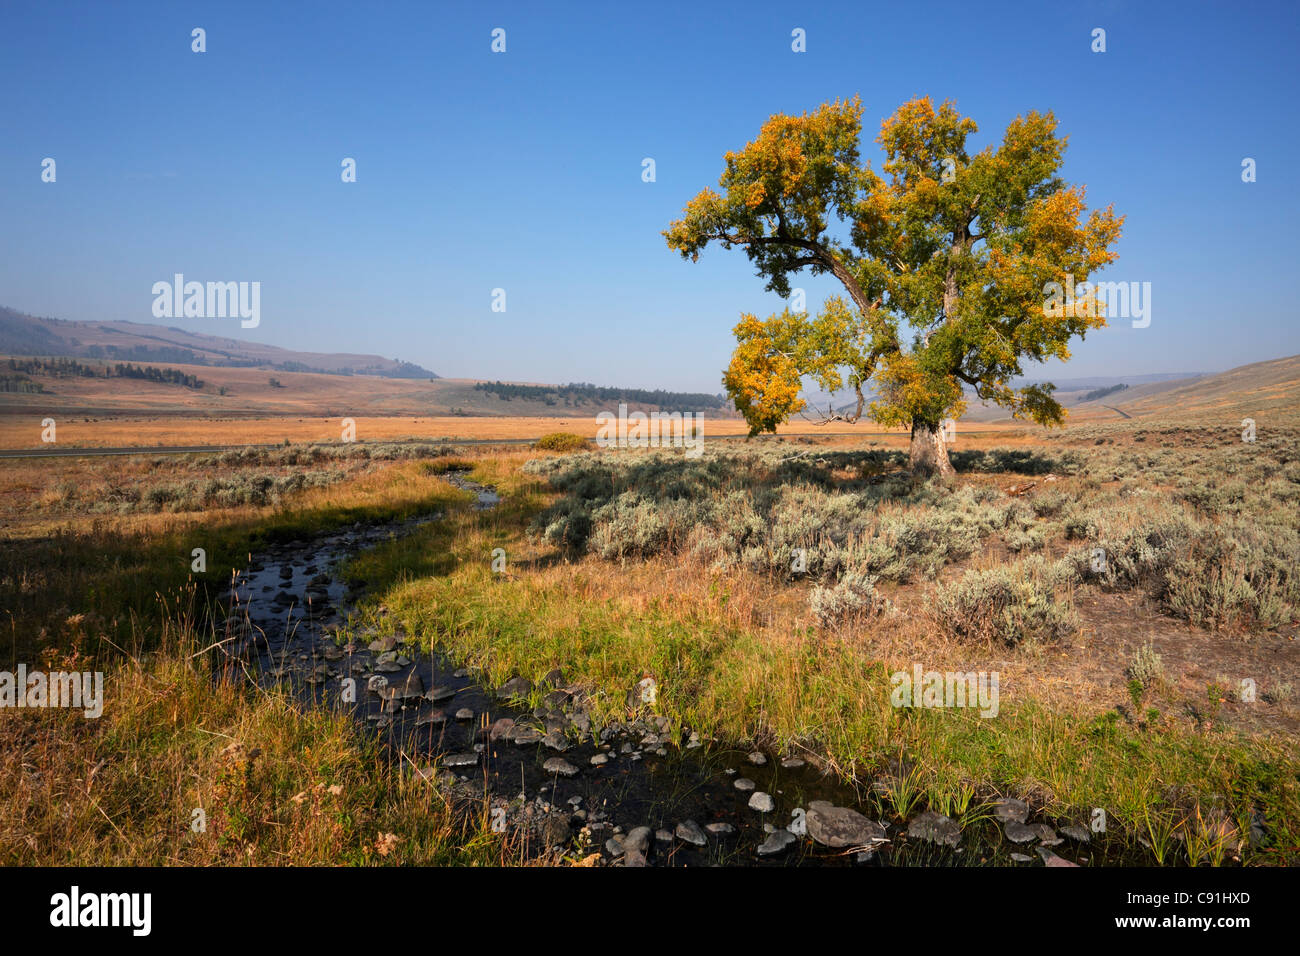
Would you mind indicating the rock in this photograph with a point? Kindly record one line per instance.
(441, 693)
(690, 832)
(638, 839)
(1010, 810)
(554, 678)
(443, 777)
(460, 760)
(383, 645)
(720, 829)
(556, 741)
(501, 727)
(561, 766)
(599, 760)
(464, 714)
(778, 841)
(1018, 832)
(664, 836)
(556, 698)
(525, 735)
(1077, 833)
(1046, 835)
(515, 687)
(758, 758)
(743, 784)
(388, 667)
(376, 684)
(840, 826)
(1258, 833)
(555, 832)
(413, 686)
(433, 717)
(761, 802)
(1022, 858)
(1051, 859)
(614, 846)
(792, 763)
(936, 828)
(645, 693)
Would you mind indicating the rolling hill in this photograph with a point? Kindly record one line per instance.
(22, 334)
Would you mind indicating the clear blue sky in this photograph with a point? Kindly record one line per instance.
(523, 171)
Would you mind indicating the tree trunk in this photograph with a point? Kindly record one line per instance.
(929, 454)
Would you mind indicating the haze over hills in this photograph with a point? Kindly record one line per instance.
(22, 334)
(233, 380)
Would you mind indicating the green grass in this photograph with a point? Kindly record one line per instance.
(811, 689)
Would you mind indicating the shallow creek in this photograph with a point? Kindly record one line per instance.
(638, 793)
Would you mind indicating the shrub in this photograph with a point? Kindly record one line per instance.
(1146, 667)
(853, 595)
(561, 441)
(1014, 604)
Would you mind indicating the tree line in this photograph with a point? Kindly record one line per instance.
(582, 393)
(71, 368)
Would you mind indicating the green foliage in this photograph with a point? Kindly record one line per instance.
(561, 441)
(947, 260)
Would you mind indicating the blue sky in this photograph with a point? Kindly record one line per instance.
(522, 170)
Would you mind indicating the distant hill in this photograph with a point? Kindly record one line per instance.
(28, 335)
(1248, 390)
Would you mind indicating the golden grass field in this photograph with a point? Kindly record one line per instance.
(24, 432)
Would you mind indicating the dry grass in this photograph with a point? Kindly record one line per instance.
(188, 768)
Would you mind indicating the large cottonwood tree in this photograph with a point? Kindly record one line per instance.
(944, 258)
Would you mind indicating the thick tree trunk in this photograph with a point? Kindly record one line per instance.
(929, 454)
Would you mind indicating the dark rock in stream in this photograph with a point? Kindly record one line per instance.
(1018, 832)
(515, 687)
(1051, 859)
(1077, 833)
(1010, 810)
(778, 841)
(690, 832)
(561, 766)
(555, 832)
(840, 826)
(935, 828)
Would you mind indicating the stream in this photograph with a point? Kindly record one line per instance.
(638, 793)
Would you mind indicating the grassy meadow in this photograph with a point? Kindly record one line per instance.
(1120, 680)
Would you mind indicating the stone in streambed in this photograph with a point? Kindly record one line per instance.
(836, 826)
(690, 832)
(778, 841)
(762, 802)
(935, 828)
(561, 766)
(1010, 810)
